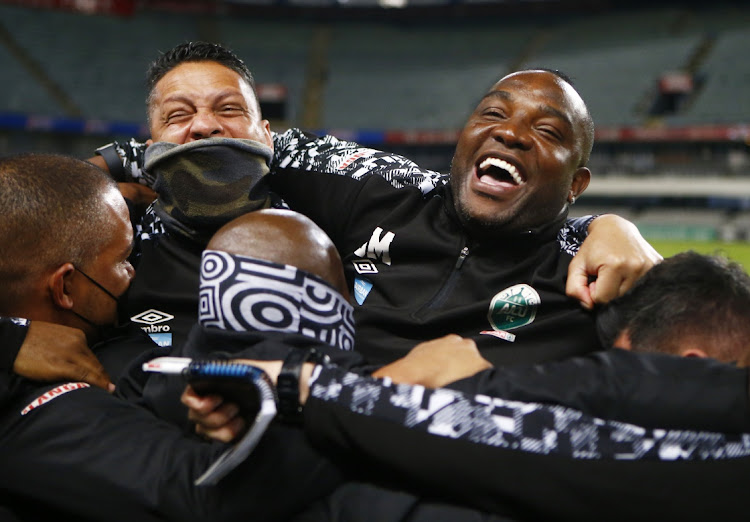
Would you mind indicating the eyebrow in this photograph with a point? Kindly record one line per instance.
(546, 109)
(557, 113)
(503, 95)
(184, 98)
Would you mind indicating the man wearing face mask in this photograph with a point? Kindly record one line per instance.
(69, 450)
(78, 287)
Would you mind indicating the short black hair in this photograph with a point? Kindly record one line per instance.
(53, 212)
(195, 52)
(689, 295)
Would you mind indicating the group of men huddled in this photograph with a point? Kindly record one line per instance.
(445, 347)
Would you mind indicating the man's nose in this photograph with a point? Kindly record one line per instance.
(205, 124)
(513, 134)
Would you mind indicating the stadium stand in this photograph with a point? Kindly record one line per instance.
(414, 76)
(406, 83)
(271, 58)
(103, 73)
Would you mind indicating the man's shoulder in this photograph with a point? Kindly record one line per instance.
(296, 149)
(572, 234)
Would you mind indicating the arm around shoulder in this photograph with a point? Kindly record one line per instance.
(610, 260)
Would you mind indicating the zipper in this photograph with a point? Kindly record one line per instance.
(450, 283)
(461, 258)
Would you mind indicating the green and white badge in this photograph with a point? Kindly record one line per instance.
(513, 307)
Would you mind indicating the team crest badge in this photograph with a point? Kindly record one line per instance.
(513, 307)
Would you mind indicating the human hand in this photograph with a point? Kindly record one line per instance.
(53, 352)
(437, 362)
(213, 417)
(616, 254)
(220, 420)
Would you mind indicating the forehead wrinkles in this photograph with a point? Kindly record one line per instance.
(200, 82)
(553, 97)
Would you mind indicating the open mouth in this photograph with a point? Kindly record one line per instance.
(498, 171)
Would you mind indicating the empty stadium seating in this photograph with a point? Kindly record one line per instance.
(409, 74)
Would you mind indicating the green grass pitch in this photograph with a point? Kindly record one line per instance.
(738, 251)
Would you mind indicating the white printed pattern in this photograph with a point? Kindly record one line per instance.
(243, 294)
(530, 427)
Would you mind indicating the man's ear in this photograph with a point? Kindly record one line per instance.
(267, 136)
(581, 180)
(60, 284)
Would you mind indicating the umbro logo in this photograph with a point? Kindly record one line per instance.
(365, 266)
(151, 317)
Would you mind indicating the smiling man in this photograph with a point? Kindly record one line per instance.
(484, 254)
(522, 154)
(205, 99)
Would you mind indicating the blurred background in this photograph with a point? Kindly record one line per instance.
(668, 85)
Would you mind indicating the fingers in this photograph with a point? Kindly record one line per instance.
(137, 193)
(436, 363)
(94, 374)
(89, 369)
(226, 433)
(615, 255)
(213, 418)
(618, 276)
(577, 285)
(609, 285)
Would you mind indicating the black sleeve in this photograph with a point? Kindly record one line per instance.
(646, 389)
(78, 450)
(522, 459)
(580, 225)
(303, 151)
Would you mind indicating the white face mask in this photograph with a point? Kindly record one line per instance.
(240, 293)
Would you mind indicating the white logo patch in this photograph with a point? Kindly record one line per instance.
(378, 248)
(151, 317)
(54, 393)
(365, 267)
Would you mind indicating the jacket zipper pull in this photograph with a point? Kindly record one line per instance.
(462, 256)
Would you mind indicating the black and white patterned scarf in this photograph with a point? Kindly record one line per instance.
(239, 293)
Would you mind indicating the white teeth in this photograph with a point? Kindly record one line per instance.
(502, 164)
